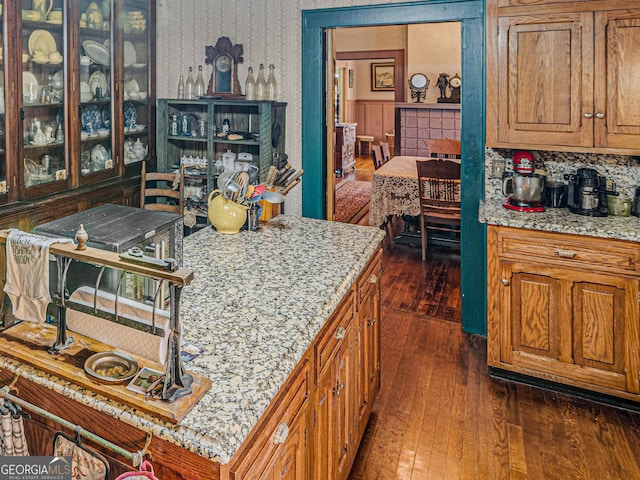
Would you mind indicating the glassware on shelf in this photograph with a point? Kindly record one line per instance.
(199, 89)
(250, 86)
(173, 126)
(226, 124)
(261, 84)
(181, 87)
(271, 89)
(190, 86)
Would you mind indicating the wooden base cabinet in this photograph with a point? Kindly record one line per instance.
(564, 313)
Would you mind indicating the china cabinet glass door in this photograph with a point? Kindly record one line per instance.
(42, 109)
(136, 52)
(3, 137)
(95, 66)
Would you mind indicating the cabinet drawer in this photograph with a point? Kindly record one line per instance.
(369, 277)
(333, 334)
(274, 431)
(580, 251)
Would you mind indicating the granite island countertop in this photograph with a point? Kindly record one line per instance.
(560, 220)
(257, 301)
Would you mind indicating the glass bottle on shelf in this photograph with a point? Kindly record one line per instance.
(271, 89)
(226, 124)
(250, 86)
(181, 87)
(261, 84)
(199, 83)
(173, 125)
(190, 86)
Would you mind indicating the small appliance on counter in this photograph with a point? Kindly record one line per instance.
(555, 194)
(587, 193)
(523, 188)
(635, 209)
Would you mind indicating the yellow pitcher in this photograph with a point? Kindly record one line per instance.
(226, 215)
(40, 6)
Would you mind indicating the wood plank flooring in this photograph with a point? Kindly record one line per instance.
(440, 416)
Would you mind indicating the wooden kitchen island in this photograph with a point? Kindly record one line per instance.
(287, 320)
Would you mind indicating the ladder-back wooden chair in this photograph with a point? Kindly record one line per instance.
(377, 156)
(386, 153)
(157, 191)
(444, 148)
(439, 190)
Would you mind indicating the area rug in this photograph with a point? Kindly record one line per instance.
(352, 200)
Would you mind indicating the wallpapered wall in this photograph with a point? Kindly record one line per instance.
(270, 32)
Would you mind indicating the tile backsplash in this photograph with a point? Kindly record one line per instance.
(624, 170)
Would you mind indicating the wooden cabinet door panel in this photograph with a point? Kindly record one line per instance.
(545, 66)
(598, 324)
(343, 415)
(534, 308)
(290, 462)
(617, 77)
(323, 432)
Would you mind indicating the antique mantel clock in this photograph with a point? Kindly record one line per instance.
(224, 59)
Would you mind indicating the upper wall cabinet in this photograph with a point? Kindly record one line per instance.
(79, 93)
(565, 81)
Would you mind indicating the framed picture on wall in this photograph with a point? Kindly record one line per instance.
(382, 77)
(350, 78)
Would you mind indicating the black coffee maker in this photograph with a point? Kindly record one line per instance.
(587, 193)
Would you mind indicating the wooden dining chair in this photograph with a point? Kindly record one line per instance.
(159, 191)
(439, 190)
(444, 148)
(378, 161)
(386, 153)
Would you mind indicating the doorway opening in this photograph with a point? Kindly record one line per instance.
(470, 14)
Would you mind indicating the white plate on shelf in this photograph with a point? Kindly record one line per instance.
(30, 87)
(131, 87)
(41, 40)
(96, 52)
(129, 54)
(98, 80)
(139, 65)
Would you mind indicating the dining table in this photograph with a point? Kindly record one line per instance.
(394, 190)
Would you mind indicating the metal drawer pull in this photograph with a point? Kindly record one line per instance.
(588, 115)
(340, 333)
(339, 388)
(282, 432)
(566, 253)
(372, 321)
(600, 115)
(373, 278)
(505, 282)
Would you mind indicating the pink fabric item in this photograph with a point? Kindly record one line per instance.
(145, 473)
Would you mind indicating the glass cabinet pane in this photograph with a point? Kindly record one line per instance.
(135, 108)
(43, 92)
(95, 67)
(3, 139)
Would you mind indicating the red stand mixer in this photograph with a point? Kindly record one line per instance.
(523, 188)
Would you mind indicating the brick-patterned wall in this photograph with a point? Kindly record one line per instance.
(424, 123)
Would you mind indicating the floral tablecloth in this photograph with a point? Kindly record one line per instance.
(394, 190)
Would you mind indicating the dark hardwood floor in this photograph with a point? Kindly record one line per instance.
(439, 415)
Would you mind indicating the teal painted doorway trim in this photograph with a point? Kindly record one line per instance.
(470, 14)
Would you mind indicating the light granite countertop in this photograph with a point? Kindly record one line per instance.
(257, 302)
(560, 220)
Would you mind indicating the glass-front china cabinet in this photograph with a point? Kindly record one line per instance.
(81, 97)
